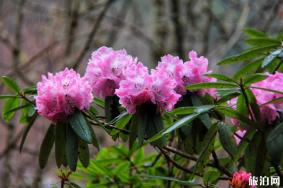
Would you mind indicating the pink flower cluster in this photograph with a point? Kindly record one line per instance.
(241, 180)
(269, 111)
(110, 73)
(105, 70)
(140, 87)
(185, 73)
(61, 94)
(165, 85)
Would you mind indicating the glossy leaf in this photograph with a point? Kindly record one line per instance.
(10, 104)
(190, 110)
(60, 144)
(253, 33)
(80, 127)
(268, 59)
(8, 96)
(274, 143)
(207, 147)
(247, 55)
(26, 131)
(72, 144)
(10, 83)
(248, 69)
(46, 146)
(83, 153)
(220, 77)
(254, 78)
(207, 85)
(99, 102)
(227, 139)
(239, 116)
(262, 41)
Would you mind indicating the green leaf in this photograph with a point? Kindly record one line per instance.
(246, 122)
(11, 84)
(111, 107)
(204, 118)
(253, 33)
(183, 121)
(253, 104)
(255, 160)
(155, 126)
(123, 114)
(227, 139)
(142, 120)
(207, 147)
(247, 69)
(211, 176)
(241, 105)
(221, 77)
(26, 131)
(207, 85)
(72, 143)
(133, 131)
(228, 97)
(254, 78)
(8, 106)
(84, 153)
(274, 143)
(262, 41)
(60, 144)
(30, 90)
(247, 54)
(191, 110)
(46, 146)
(268, 59)
(99, 102)
(80, 127)
(121, 122)
(17, 108)
(8, 96)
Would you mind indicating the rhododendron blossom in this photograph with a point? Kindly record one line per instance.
(269, 111)
(61, 94)
(106, 69)
(190, 72)
(195, 70)
(173, 67)
(241, 180)
(140, 87)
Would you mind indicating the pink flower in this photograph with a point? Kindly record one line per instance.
(135, 89)
(105, 70)
(61, 94)
(140, 87)
(163, 88)
(195, 70)
(173, 67)
(269, 111)
(241, 179)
